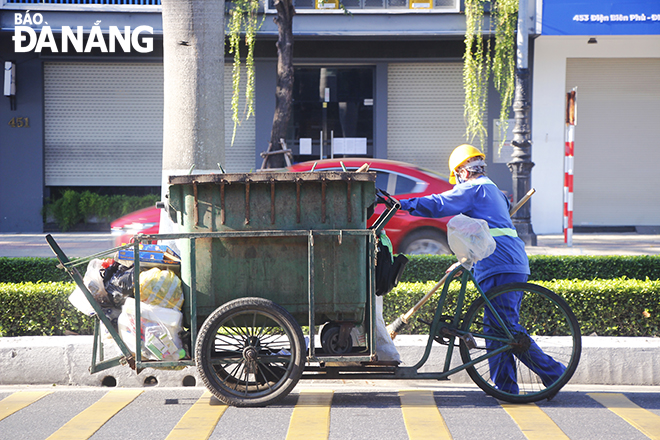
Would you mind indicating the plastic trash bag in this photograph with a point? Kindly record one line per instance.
(161, 288)
(160, 330)
(79, 301)
(385, 348)
(470, 239)
(94, 283)
(118, 282)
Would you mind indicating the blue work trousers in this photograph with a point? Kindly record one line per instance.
(503, 366)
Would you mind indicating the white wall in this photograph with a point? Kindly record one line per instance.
(548, 100)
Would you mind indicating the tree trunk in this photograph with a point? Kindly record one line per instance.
(284, 86)
(193, 63)
(193, 99)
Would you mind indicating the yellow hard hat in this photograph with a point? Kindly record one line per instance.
(459, 156)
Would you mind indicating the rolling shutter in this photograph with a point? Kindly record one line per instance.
(104, 125)
(240, 157)
(616, 154)
(425, 113)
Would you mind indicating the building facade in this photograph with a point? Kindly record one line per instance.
(383, 81)
(610, 52)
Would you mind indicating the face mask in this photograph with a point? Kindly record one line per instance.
(459, 178)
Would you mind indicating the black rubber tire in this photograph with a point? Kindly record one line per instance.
(330, 340)
(425, 241)
(542, 313)
(234, 347)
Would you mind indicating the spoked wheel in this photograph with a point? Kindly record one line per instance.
(250, 352)
(539, 352)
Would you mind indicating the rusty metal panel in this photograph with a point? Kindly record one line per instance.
(273, 266)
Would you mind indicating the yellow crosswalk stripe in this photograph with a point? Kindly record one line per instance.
(200, 420)
(642, 419)
(311, 416)
(533, 422)
(422, 416)
(85, 424)
(17, 401)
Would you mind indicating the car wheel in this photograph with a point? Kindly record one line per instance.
(425, 241)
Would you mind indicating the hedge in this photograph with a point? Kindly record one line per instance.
(18, 270)
(40, 309)
(617, 307)
(421, 268)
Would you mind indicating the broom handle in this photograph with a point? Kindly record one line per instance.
(423, 301)
(521, 202)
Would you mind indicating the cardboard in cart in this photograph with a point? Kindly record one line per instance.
(152, 253)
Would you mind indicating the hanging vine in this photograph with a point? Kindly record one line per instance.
(479, 64)
(243, 17)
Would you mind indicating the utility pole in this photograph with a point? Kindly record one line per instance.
(193, 113)
(521, 163)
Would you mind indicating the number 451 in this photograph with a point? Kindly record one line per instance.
(19, 123)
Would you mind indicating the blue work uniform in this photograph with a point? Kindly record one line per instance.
(481, 198)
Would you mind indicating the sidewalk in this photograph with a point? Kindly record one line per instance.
(83, 244)
(64, 360)
(598, 244)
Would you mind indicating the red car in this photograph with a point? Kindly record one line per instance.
(408, 234)
(146, 221)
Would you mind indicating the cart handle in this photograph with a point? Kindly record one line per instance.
(383, 197)
(393, 206)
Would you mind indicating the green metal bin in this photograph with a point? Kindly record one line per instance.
(268, 218)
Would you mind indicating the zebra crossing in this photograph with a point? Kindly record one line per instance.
(321, 413)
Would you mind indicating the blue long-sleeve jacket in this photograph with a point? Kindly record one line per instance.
(479, 198)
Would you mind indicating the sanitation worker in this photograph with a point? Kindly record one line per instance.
(476, 196)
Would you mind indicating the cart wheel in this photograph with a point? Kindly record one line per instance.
(524, 372)
(250, 352)
(330, 340)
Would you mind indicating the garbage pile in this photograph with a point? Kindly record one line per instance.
(112, 284)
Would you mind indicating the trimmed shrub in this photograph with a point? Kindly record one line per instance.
(18, 270)
(422, 268)
(40, 309)
(617, 307)
(585, 267)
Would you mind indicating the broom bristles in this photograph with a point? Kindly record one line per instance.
(395, 327)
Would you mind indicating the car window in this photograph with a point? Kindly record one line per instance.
(381, 179)
(404, 185)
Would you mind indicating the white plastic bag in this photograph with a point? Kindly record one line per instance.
(470, 239)
(160, 330)
(161, 288)
(94, 283)
(385, 348)
(79, 301)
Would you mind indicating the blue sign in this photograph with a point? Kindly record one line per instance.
(601, 17)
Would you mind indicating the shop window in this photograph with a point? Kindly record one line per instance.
(332, 110)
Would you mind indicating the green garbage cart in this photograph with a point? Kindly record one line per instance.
(278, 273)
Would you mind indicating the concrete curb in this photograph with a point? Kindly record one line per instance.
(65, 360)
